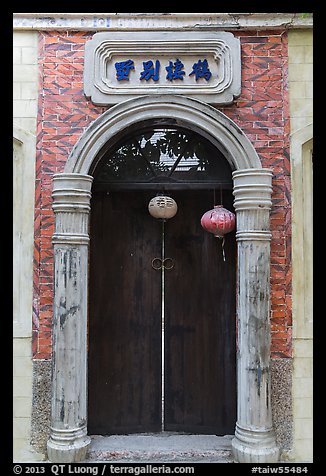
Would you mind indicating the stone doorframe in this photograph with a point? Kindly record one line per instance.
(254, 439)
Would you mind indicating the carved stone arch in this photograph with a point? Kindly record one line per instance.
(254, 438)
(191, 113)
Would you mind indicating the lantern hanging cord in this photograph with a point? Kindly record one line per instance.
(221, 196)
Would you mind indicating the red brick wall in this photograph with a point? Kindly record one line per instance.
(261, 111)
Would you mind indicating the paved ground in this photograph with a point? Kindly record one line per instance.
(166, 447)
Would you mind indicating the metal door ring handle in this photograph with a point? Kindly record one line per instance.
(158, 263)
(155, 266)
(169, 266)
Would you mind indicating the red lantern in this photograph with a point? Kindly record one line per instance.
(218, 221)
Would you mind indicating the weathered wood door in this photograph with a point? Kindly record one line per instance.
(125, 316)
(126, 319)
(200, 389)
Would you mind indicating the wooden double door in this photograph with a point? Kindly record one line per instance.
(161, 344)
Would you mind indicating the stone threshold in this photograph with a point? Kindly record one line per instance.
(161, 448)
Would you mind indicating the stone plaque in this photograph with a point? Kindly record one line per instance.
(201, 65)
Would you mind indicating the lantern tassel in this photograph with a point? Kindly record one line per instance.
(223, 241)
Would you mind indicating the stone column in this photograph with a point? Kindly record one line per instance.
(68, 440)
(254, 439)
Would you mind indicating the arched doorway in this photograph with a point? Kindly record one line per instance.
(161, 338)
(254, 437)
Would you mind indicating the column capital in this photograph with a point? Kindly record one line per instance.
(252, 189)
(71, 192)
(71, 205)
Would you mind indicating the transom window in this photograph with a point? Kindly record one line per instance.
(162, 157)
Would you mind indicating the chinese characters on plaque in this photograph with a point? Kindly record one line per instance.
(151, 70)
(122, 65)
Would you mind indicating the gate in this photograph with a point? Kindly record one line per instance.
(161, 338)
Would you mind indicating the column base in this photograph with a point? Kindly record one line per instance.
(68, 446)
(254, 446)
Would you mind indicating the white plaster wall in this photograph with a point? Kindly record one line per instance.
(24, 121)
(301, 111)
(25, 83)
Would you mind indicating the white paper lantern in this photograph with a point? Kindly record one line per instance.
(162, 207)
